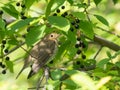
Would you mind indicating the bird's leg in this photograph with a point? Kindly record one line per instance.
(39, 82)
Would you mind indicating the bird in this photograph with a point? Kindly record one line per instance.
(41, 53)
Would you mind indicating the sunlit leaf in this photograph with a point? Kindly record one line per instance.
(81, 79)
(19, 24)
(48, 9)
(2, 24)
(103, 81)
(59, 22)
(56, 74)
(28, 3)
(102, 20)
(57, 4)
(103, 62)
(10, 66)
(79, 15)
(34, 34)
(97, 2)
(87, 28)
(10, 9)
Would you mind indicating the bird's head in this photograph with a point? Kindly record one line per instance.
(52, 36)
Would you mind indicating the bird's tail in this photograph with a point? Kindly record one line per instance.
(30, 74)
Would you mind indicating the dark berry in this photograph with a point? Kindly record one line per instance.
(3, 41)
(83, 45)
(65, 13)
(73, 23)
(83, 56)
(6, 50)
(22, 13)
(3, 66)
(76, 26)
(54, 14)
(1, 12)
(79, 51)
(51, 62)
(0, 63)
(7, 58)
(58, 11)
(76, 45)
(24, 35)
(4, 72)
(71, 15)
(63, 7)
(65, 63)
(3, 46)
(81, 66)
(77, 20)
(78, 62)
(78, 38)
(17, 4)
(23, 5)
(23, 17)
(71, 29)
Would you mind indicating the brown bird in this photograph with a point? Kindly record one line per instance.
(40, 54)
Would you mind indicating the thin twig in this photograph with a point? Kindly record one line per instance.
(39, 82)
(108, 31)
(35, 87)
(98, 52)
(12, 50)
(88, 2)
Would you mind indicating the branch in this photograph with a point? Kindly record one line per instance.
(106, 43)
(12, 50)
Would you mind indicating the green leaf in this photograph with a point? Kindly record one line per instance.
(61, 49)
(109, 54)
(79, 15)
(57, 4)
(87, 28)
(10, 65)
(81, 79)
(97, 2)
(72, 37)
(59, 22)
(48, 9)
(115, 1)
(28, 3)
(19, 24)
(117, 64)
(70, 1)
(56, 74)
(2, 35)
(10, 9)
(34, 35)
(2, 24)
(103, 62)
(102, 20)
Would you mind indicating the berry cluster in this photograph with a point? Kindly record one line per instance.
(22, 13)
(7, 58)
(80, 45)
(58, 11)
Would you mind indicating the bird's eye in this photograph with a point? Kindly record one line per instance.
(51, 35)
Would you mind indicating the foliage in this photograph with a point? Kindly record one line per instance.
(77, 23)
